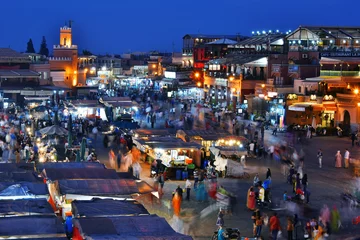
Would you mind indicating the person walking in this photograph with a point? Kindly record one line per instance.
(346, 158)
(196, 178)
(320, 156)
(268, 174)
(259, 223)
(256, 215)
(290, 228)
(353, 138)
(220, 218)
(5, 154)
(161, 181)
(179, 191)
(176, 202)
(136, 169)
(274, 226)
(338, 159)
(17, 155)
(188, 189)
(250, 203)
(304, 182)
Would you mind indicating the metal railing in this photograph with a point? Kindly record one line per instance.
(334, 73)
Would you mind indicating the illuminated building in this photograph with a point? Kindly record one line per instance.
(64, 63)
(330, 96)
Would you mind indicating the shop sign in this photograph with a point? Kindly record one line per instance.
(221, 82)
(297, 109)
(44, 93)
(12, 91)
(340, 54)
(26, 93)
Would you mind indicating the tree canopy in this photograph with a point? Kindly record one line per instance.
(30, 47)
(43, 48)
(86, 52)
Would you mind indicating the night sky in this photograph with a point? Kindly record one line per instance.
(120, 26)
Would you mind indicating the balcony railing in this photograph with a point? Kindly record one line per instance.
(332, 73)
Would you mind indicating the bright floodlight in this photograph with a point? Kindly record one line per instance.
(277, 31)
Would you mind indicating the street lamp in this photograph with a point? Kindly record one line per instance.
(356, 91)
(197, 75)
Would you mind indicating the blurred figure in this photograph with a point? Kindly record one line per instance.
(250, 204)
(176, 202)
(220, 219)
(335, 220)
(136, 169)
(338, 159)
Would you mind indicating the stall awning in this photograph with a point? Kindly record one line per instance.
(61, 85)
(206, 135)
(106, 207)
(37, 98)
(168, 143)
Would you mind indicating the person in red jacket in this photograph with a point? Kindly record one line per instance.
(274, 226)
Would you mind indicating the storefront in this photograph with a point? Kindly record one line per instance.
(88, 109)
(173, 152)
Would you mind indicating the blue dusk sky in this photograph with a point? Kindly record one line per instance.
(120, 26)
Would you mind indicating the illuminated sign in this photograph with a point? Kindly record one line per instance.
(340, 54)
(221, 82)
(171, 75)
(297, 109)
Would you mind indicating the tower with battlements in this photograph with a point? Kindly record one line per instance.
(64, 63)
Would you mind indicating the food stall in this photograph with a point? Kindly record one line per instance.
(88, 108)
(175, 155)
(229, 154)
(121, 105)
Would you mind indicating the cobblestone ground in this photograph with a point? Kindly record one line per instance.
(326, 184)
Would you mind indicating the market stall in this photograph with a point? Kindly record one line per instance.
(88, 109)
(175, 157)
(121, 106)
(229, 154)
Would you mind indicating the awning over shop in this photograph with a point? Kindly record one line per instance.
(168, 143)
(330, 106)
(99, 187)
(106, 207)
(68, 165)
(61, 85)
(78, 173)
(18, 176)
(17, 167)
(151, 132)
(27, 207)
(132, 227)
(31, 226)
(12, 190)
(124, 102)
(36, 98)
(206, 135)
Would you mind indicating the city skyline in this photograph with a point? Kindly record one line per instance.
(119, 27)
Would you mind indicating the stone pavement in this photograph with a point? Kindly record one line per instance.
(325, 184)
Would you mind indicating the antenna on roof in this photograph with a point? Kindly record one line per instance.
(70, 23)
(173, 48)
